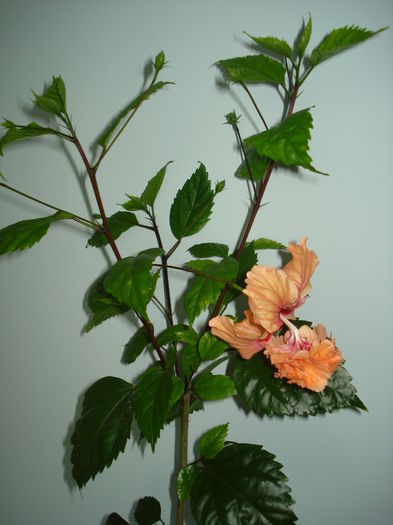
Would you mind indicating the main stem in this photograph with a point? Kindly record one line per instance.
(183, 448)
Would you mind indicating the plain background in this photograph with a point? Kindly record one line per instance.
(339, 466)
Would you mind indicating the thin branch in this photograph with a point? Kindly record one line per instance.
(254, 104)
(241, 144)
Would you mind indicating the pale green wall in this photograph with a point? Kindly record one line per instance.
(339, 466)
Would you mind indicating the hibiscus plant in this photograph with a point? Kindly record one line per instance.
(277, 365)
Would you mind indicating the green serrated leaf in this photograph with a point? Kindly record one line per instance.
(265, 394)
(205, 290)
(253, 69)
(286, 143)
(102, 304)
(257, 164)
(25, 234)
(212, 442)
(16, 132)
(212, 387)
(134, 204)
(210, 347)
(339, 40)
(304, 38)
(177, 391)
(272, 43)
(54, 98)
(190, 360)
(185, 479)
(153, 186)
(118, 223)
(106, 135)
(209, 249)
(267, 244)
(192, 205)
(148, 511)
(103, 429)
(242, 484)
(135, 346)
(152, 398)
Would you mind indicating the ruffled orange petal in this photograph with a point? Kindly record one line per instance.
(302, 266)
(245, 336)
(270, 292)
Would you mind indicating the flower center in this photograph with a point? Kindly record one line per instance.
(295, 341)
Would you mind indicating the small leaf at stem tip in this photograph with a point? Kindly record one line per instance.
(303, 38)
(232, 119)
(220, 186)
(212, 442)
(54, 99)
(159, 61)
(153, 186)
(134, 204)
(148, 511)
(272, 43)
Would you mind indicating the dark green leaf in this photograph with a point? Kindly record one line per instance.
(211, 387)
(243, 484)
(257, 164)
(103, 429)
(148, 511)
(267, 244)
(288, 142)
(212, 442)
(272, 43)
(118, 223)
(102, 304)
(253, 69)
(339, 40)
(152, 398)
(190, 360)
(188, 335)
(265, 394)
(205, 290)
(248, 258)
(25, 234)
(54, 98)
(135, 346)
(304, 38)
(185, 479)
(16, 132)
(177, 391)
(115, 519)
(134, 204)
(170, 334)
(153, 186)
(106, 135)
(192, 205)
(210, 347)
(209, 249)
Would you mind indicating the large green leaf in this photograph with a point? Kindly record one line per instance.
(242, 485)
(106, 135)
(212, 441)
(264, 394)
(17, 132)
(25, 234)
(210, 347)
(131, 281)
(339, 40)
(212, 387)
(304, 38)
(272, 43)
(54, 98)
(152, 399)
(148, 511)
(102, 304)
(192, 205)
(205, 290)
(135, 346)
(209, 249)
(253, 69)
(288, 142)
(150, 193)
(103, 429)
(118, 223)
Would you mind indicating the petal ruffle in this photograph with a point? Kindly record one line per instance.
(302, 266)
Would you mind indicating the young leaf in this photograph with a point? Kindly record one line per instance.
(288, 142)
(135, 346)
(102, 304)
(205, 290)
(211, 347)
(25, 234)
(134, 204)
(212, 387)
(185, 479)
(339, 40)
(106, 135)
(17, 132)
(148, 511)
(153, 186)
(118, 223)
(245, 481)
(253, 69)
(54, 98)
(265, 394)
(152, 398)
(103, 429)
(192, 205)
(267, 244)
(209, 249)
(212, 442)
(304, 38)
(271, 43)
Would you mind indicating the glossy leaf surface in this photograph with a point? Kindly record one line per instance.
(185, 479)
(253, 69)
(212, 387)
(242, 485)
(210, 347)
(148, 511)
(103, 429)
(118, 223)
(212, 442)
